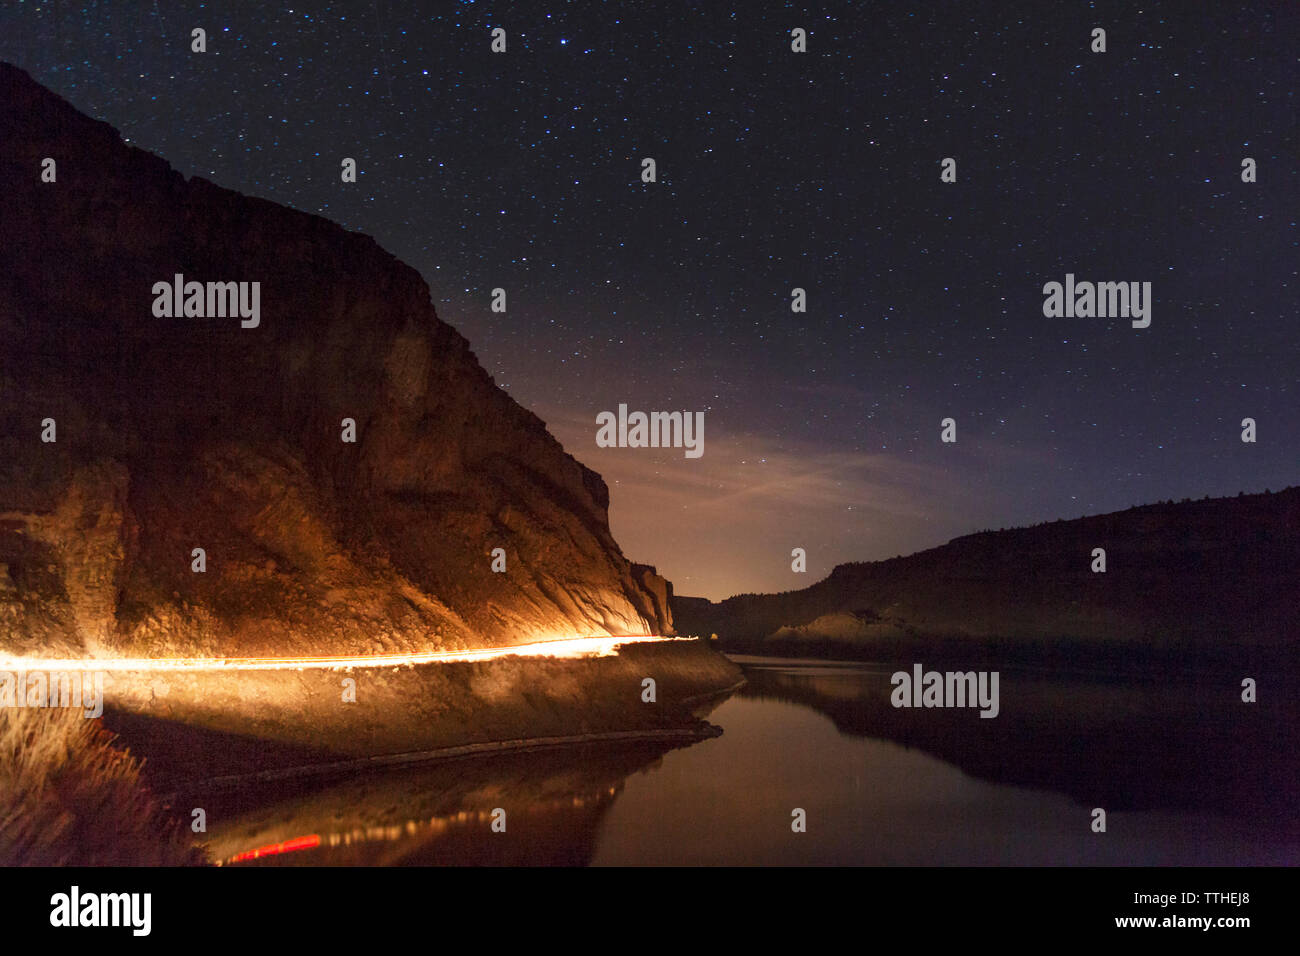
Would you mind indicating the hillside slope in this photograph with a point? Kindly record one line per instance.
(176, 433)
(1196, 575)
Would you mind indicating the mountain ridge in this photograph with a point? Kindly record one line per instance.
(1183, 575)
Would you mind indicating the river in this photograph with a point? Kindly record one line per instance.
(1187, 774)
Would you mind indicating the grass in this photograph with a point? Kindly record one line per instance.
(70, 797)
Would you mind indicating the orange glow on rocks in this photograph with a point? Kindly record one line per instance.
(574, 647)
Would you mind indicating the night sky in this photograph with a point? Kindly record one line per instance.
(776, 170)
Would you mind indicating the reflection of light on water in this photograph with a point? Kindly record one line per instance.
(434, 826)
(568, 648)
(275, 849)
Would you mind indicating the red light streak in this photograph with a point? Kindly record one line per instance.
(275, 849)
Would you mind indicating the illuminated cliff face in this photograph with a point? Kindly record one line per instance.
(200, 432)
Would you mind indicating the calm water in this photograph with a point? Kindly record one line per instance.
(1187, 775)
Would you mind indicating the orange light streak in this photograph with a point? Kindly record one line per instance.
(569, 647)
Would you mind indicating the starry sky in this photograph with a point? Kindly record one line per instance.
(779, 170)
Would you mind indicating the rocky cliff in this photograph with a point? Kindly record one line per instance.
(172, 434)
(1200, 577)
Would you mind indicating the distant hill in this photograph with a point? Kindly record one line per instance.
(1200, 578)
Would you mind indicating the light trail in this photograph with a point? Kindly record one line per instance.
(309, 842)
(575, 647)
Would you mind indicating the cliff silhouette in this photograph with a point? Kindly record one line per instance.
(191, 432)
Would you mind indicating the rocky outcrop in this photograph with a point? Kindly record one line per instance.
(1194, 577)
(658, 588)
(183, 433)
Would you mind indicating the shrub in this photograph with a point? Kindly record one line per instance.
(69, 797)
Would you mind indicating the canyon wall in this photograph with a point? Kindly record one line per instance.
(177, 433)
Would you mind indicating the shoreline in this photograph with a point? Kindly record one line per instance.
(1110, 661)
(706, 731)
(196, 727)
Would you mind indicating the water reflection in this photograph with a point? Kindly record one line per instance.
(1188, 775)
(434, 814)
(1125, 746)
(824, 739)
